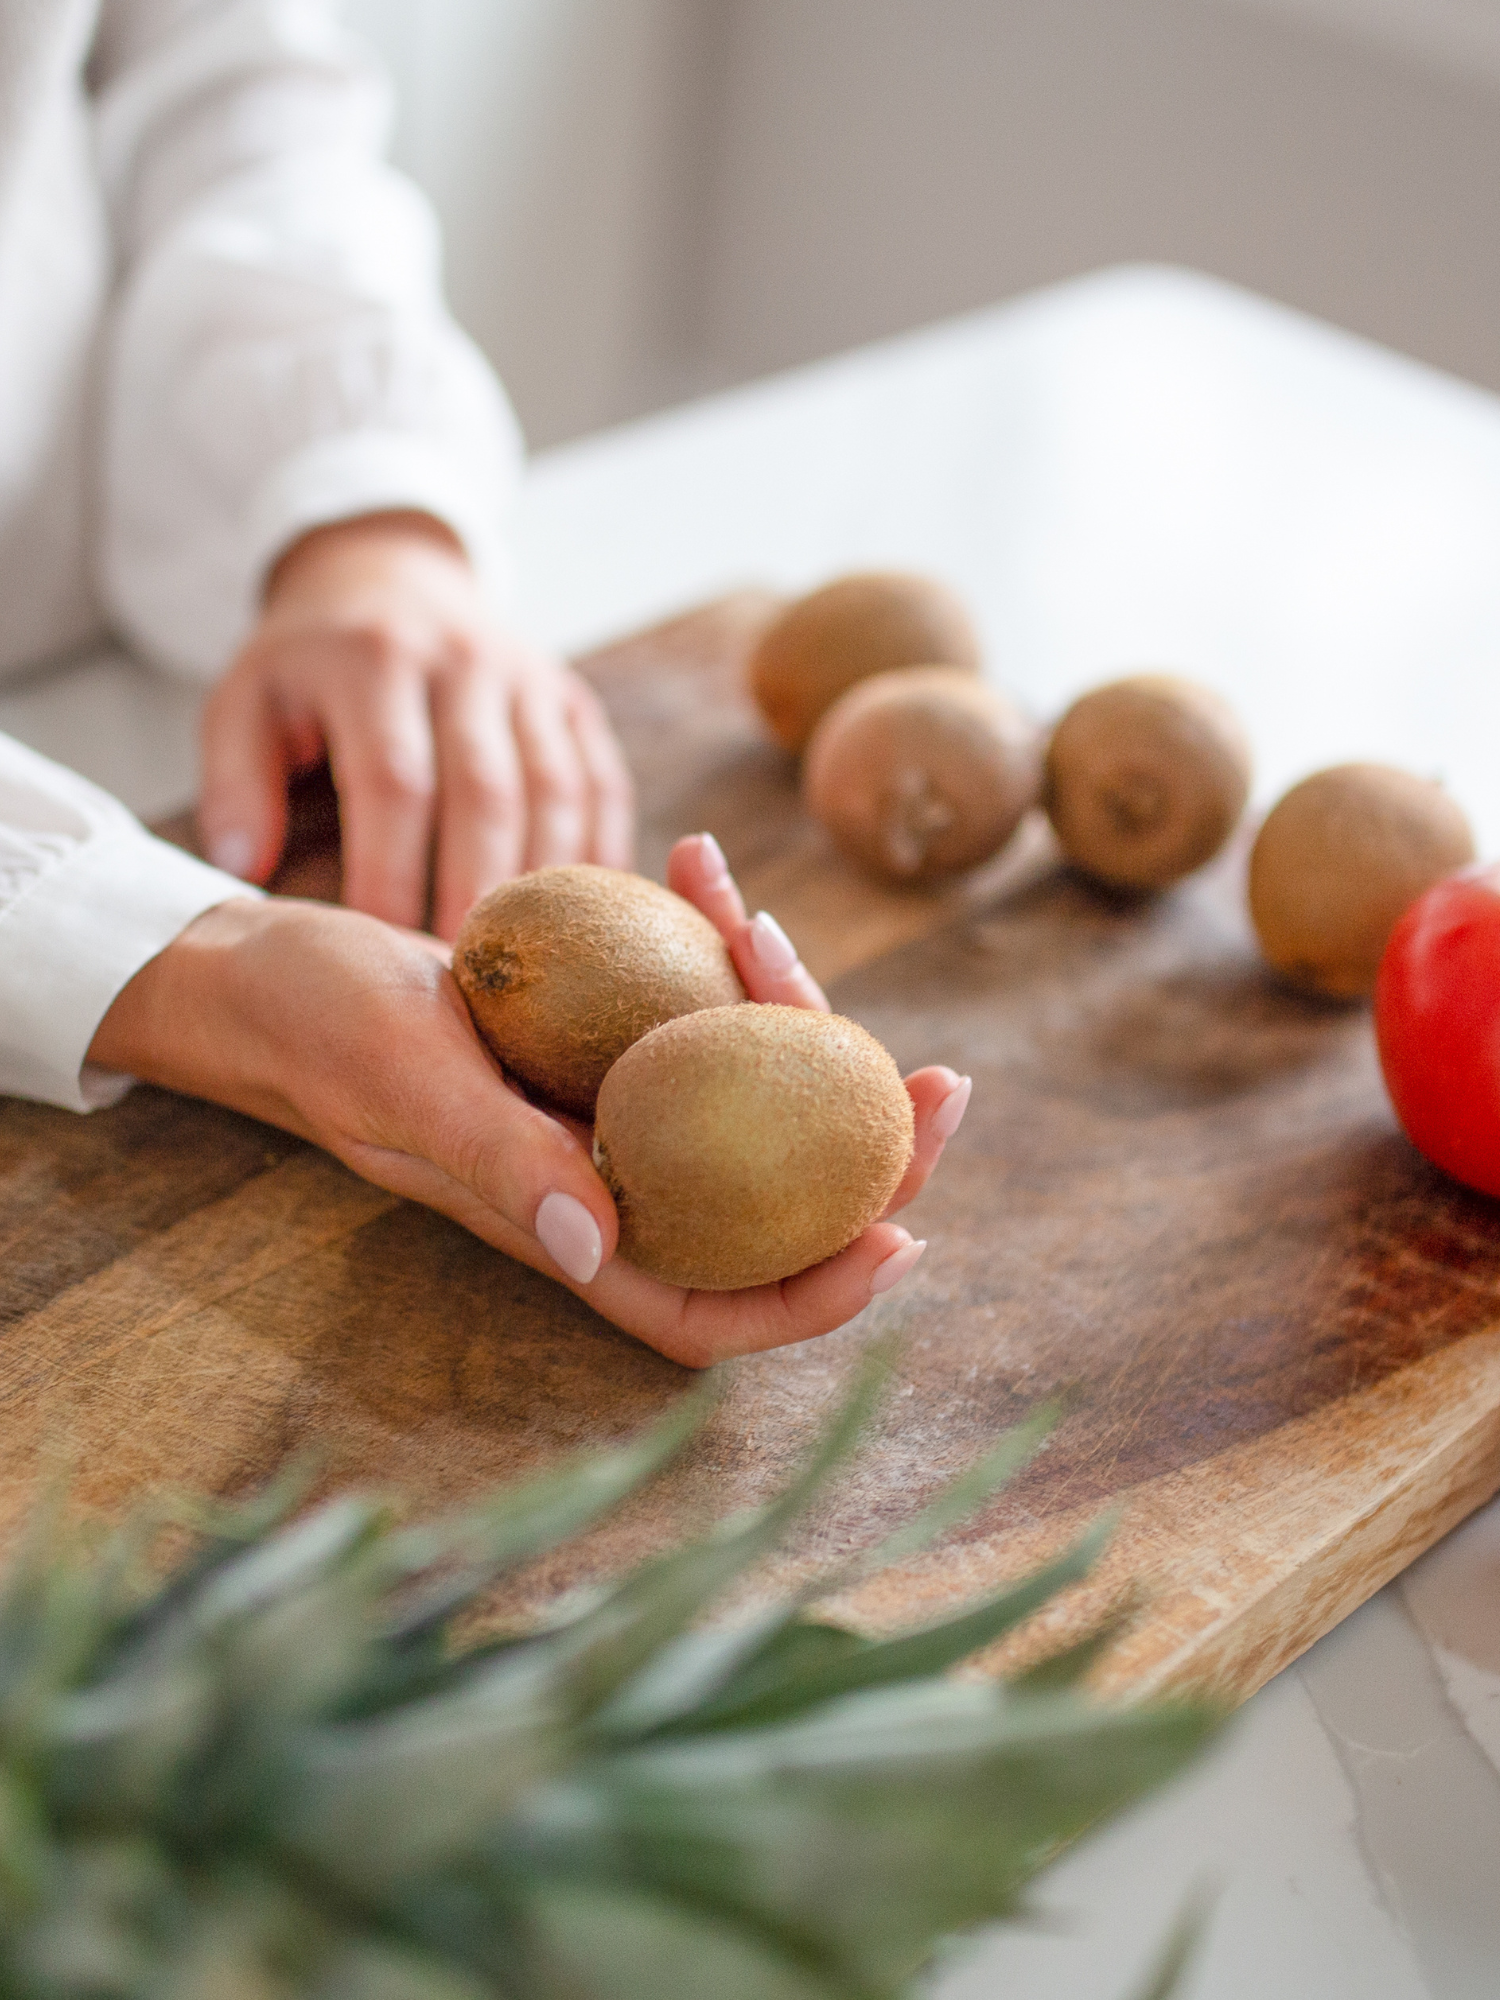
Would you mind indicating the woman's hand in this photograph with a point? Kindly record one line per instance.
(698, 1328)
(460, 755)
(353, 1034)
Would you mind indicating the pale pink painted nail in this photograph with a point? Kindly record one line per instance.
(950, 1113)
(774, 951)
(896, 1266)
(715, 867)
(233, 851)
(570, 1236)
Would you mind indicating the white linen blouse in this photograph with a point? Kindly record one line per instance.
(221, 324)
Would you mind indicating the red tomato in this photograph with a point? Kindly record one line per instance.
(1437, 1020)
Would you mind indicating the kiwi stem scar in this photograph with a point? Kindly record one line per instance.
(492, 972)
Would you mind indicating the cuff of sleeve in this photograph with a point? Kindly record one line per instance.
(72, 940)
(371, 472)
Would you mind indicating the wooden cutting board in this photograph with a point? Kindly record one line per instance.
(1178, 1195)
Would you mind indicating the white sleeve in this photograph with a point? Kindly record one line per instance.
(87, 897)
(279, 355)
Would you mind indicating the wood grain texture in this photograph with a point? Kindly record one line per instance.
(1179, 1198)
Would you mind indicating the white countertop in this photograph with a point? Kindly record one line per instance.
(1139, 468)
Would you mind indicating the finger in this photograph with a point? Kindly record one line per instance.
(700, 1328)
(565, 1239)
(556, 798)
(302, 734)
(697, 870)
(566, 1231)
(462, 1141)
(242, 812)
(764, 956)
(381, 752)
(940, 1097)
(767, 962)
(612, 836)
(481, 794)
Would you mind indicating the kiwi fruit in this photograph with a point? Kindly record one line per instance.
(921, 772)
(564, 968)
(852, 628)
(1146, 778)
(743, 1144)
(1337, 861)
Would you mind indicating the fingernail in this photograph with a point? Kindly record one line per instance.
(896, 1266)
(774, 951)
(714, 865)
(570, 1236)
(233, 852)
(950, 1113)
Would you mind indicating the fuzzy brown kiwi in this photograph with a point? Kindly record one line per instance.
(743, 1144)
(564, 968)
(1146, 778)
(853, 627)
(922, 772)
(1338, 860)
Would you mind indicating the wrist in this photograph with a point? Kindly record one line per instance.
(337, 542)
(253, 1004)
(171, 1023)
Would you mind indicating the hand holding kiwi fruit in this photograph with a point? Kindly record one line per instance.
(743, 1143)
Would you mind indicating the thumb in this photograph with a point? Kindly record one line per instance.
(464, 1142)
(242, 810)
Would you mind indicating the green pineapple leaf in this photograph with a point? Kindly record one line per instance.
(624, 1636)
(855, 1837)
(586, 1941)
(966, 1494)
(770, 1687)
(1065, 1669)
(760, 1670)
(1180, 1948)
(524, 1521)
(274, 1775)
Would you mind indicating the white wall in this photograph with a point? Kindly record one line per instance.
(644, 197)
(1460, 35)
(886, 161)
(558, 139)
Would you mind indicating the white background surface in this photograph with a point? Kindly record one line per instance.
(643, 198)
(1140, 467)
(1350, 1825)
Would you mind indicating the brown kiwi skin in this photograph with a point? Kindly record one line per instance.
(564, 968)
(922, 772)
(743, 1144)
(858, 625)
(1146, 778)
(1336, 862)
